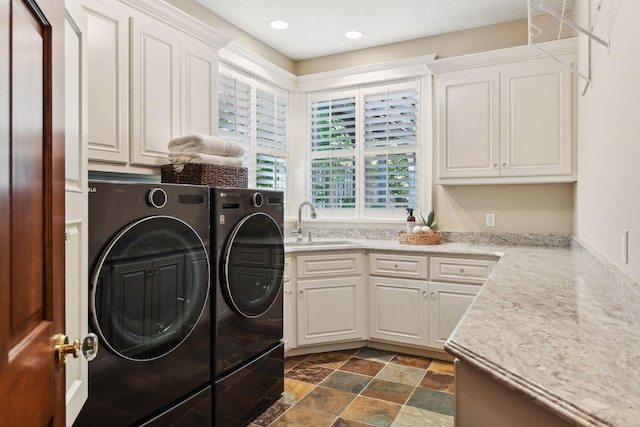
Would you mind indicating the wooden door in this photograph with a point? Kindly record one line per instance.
(31, 211)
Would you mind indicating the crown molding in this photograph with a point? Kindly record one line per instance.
(180, 20)
(501, 56)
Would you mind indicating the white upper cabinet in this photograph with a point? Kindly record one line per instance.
(155, 90)
(504, 117)
(152, 76)
(108, 85)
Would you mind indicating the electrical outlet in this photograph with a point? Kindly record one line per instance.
(491, 220)
(625, 246)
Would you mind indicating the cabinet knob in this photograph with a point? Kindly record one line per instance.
(301, 292)
(424, 293)
(495, 166)
(462, 271)
(505, 165)
(396, 267)
(433, 295)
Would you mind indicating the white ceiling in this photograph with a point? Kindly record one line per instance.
(317, 27)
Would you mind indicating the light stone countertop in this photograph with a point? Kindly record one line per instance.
(559, 325)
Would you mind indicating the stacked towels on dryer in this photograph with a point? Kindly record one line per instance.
(205, 149)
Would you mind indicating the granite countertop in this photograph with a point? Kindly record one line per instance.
(559, 325)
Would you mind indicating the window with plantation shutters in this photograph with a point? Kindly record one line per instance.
(255, 114)
(364, 150)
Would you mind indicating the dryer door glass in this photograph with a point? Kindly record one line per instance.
(150, 287)
(253, 265)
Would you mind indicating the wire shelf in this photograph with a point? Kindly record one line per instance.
(551, 20)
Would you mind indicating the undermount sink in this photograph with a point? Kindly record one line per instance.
(321, 243)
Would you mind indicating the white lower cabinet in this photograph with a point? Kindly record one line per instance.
(447, 304)
(330, 298)
(398, 310)
(407, 298)
(330, 310)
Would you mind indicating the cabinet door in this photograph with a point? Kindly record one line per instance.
(469, 125)
(107, 83)
(398, 310)
(330, 310)
(447, 304)
(198, 77)
(536, 119)
(289, 315)
(155, 89)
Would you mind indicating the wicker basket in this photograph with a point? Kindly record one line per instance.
(420, 238)
(204, 174)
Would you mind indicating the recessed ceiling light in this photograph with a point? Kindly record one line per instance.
(279, 25)
(353, 34)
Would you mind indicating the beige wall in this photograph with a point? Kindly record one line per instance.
(608, 190)
(476, 40)
(523, 208)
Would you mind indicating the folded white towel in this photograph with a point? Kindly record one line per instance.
(191, 157)
(207, 144)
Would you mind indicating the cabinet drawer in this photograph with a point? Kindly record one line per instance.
(461, 269)
(337, 264)
(397, 265)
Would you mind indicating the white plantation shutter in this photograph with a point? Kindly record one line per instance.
(255, 114)
(234, 109)
(333, 152)
(271, 172)
(271, 140)
(364, 146)
(271, 120)
(390, 181)
(390, 146)
(390, 118)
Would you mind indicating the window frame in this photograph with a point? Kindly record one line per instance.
(359, 92)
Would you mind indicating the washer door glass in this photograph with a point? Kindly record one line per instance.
(150, 287)
(253, 265)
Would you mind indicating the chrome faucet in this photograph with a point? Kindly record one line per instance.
(298, 230)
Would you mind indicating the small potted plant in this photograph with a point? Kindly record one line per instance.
(424, 232)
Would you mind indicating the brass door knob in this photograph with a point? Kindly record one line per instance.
(88, 348)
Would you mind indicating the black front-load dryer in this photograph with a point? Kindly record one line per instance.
(247, 308)
(149, 304)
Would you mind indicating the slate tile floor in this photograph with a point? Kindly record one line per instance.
(363, 387)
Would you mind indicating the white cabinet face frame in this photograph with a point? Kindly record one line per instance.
(289, 314)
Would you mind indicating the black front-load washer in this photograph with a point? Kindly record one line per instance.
(247, 307)
(149, 302)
